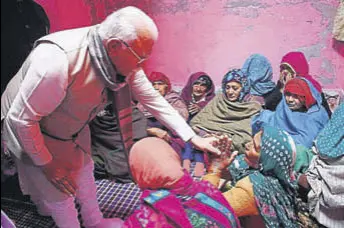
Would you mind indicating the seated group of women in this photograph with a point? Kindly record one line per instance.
(265, 191)
(247, 100)
(285, 119)
(266, 131)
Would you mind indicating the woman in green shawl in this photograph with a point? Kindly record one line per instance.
(228, 113)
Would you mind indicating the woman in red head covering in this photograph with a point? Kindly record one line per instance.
(162, 84)
(298, 95)
(293, 64)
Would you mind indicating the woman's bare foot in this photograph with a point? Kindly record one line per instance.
(199, 169)
(186, 164)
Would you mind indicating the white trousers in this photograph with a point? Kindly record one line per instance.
(50, 201)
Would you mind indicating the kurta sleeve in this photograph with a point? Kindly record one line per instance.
(158, 106)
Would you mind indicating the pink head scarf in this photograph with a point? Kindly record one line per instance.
(154, 164)
(298, 62)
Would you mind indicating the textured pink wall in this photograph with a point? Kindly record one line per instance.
(215, 35)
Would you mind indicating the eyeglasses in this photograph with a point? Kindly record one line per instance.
(140, 59)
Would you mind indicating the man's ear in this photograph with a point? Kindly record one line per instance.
(113, 45)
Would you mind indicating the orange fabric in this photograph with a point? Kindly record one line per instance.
(212, 178)
(154, 164)
(241, 198)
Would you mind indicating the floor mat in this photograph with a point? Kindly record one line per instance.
(115, 200)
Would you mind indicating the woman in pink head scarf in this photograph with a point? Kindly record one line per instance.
(171, 198)
(295, 64)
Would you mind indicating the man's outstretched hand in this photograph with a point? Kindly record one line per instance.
(218, 163)
(216, 146)
(205, 144)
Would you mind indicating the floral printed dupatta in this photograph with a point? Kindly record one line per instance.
(274, 184)
(189, 204)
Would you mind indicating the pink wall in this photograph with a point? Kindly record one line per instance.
(215, 35)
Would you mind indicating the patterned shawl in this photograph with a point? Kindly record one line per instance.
(274, 184)
(302, 126)
(233, 118)
(329, 142)
(326, 173)
(177, 200)
(259, 72)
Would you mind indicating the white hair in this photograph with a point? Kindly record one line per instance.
(126, 24)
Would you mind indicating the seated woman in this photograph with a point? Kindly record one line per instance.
(228, 113)
(299, 113)
(154, 128)
(171, 198)
(324, 178)
(293, 64)
(259, 73)
(198, 91)
(269, 187)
